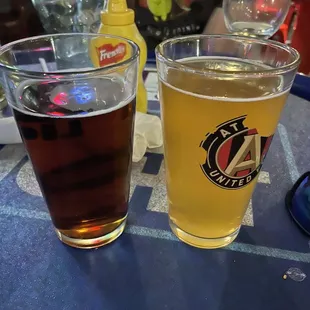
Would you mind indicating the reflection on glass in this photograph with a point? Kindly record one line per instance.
(257, 18)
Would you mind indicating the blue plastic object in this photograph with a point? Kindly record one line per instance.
(298, 202)
(301, 86)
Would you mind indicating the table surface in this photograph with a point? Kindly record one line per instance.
(147, 268)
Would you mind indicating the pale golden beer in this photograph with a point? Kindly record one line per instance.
(217, 131)
(207, 205)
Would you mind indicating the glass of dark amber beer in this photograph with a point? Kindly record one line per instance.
(221, 99)
(73, 98)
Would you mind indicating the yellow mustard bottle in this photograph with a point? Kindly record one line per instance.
(119, 20)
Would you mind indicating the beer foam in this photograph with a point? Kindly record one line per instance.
(236, 100)
(222, 98)
(21, 107)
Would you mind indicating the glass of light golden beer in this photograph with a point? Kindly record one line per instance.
(221, 99)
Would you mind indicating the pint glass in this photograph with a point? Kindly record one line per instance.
(77, 126)
(221, 99)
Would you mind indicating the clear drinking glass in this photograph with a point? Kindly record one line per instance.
(67, 16)
(59, 16)
(257, 18)
(3, 102)
(221, 98)
(77, 126)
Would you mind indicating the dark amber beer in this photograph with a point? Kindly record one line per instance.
(219, 115)
(76, 118)
(82, 166)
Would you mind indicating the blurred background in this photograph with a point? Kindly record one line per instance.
(156, 19)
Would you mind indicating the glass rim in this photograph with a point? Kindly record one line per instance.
(70, 72)
(237, 74)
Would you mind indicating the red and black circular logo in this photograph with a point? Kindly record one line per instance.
(234, 154)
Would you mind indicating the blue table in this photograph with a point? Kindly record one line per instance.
(147, 268)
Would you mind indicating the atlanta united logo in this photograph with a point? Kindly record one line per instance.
(234, 154)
